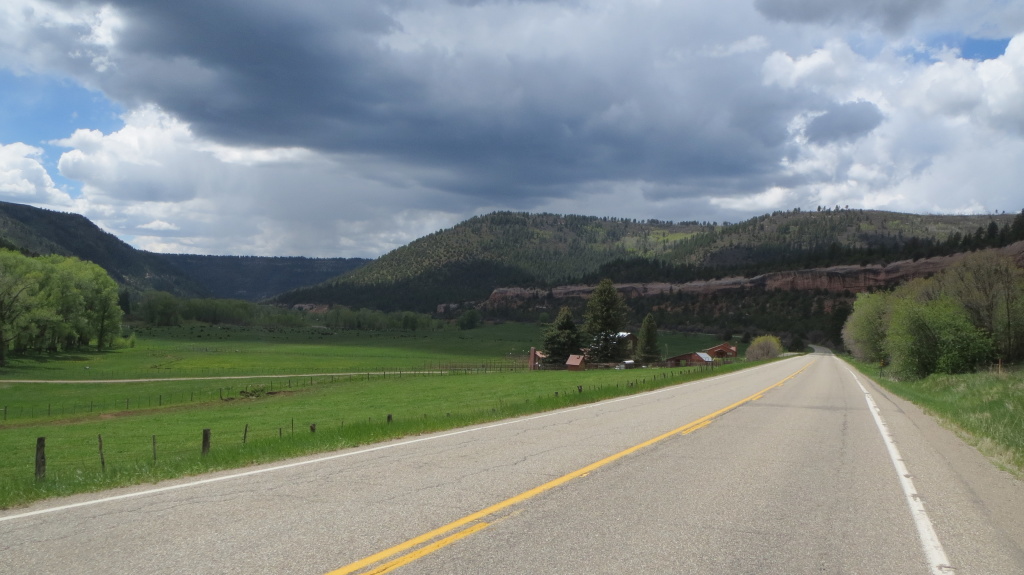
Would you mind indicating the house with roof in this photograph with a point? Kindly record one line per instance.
(722, 350)
(690, 359)
(576, 363)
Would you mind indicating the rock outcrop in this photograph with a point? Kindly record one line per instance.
(836, 279)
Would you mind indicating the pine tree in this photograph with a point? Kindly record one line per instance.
(605, 319)
(647, 341)
(562, 339)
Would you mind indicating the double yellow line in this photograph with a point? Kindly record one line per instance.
(425, 544)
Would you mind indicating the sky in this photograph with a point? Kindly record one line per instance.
(347, 129)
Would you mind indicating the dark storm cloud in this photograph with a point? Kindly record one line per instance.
(319, 75)
(846, 122)
(889, 14)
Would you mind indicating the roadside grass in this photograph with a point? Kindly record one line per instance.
(986, 409)
(152, 430)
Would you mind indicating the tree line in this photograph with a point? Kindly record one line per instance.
(55, 303)
(970, 314)
(158, 308)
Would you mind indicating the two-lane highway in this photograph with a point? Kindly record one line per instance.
(778, 469)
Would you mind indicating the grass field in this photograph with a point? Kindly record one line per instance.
(152, 430)
(986, 409)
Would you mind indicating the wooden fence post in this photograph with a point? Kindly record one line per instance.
(103, 460)
(154, 449)
(40, 458)
(206, 441)
(245, 434)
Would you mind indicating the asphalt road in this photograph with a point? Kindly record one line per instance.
(778, 469)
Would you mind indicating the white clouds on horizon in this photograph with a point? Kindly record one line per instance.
(349, 131)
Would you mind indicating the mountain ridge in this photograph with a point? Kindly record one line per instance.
(541, 251)
(37, 231)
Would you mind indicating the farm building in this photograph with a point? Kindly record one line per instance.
(576, 363)
(536, 357)
(722, 350)
(690, 359)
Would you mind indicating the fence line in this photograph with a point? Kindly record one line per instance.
(274, 384)
(113, 452)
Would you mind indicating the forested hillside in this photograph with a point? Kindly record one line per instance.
(464, 265)
(468, 261)
(34, 231)
(253, 278)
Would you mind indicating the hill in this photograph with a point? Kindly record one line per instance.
(255, 278)
(472, 259)
(36, 231)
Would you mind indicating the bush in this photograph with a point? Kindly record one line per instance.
(864, 330)
(764, 347)
(933, 336)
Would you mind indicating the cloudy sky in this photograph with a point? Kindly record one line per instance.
(348, 128)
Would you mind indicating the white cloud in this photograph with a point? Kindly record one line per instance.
(769, 200)
(169, 190)
(159, 226)
(24, 179)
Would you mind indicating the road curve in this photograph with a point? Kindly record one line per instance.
(777, 469)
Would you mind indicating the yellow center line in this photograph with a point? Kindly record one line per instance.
(692, 429)
(426, 550)
(479, 515)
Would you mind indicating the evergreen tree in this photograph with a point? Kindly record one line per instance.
(605, 319)
(562, 339)
(647, 341)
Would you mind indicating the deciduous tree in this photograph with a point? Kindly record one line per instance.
(19, 286)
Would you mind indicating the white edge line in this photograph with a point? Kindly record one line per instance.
(348, 453)
(938, 562)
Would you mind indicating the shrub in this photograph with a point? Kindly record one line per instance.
(935, 336)
(764, 347)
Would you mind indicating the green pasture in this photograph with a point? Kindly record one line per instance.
(152, 430)
(228, 351)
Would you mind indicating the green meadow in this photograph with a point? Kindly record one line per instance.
(266, 395)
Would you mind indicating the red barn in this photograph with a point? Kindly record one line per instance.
(722, 350)
(690, 359)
